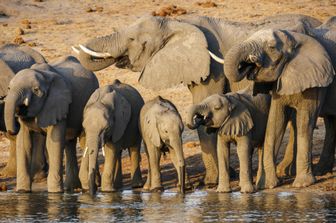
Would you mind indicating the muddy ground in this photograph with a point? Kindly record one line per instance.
(52, 27)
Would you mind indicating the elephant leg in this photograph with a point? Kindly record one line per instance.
(326, 162)
(209, 156)
(147, 185)
(39, 161)
(154, 159)
(287, 166)
(55, 148)
(118, 183)
(223, 151)
(306, 119)
(109, 169)
(244, 155)
(135, 166)
(10, 169)
(276, 126)
(71, 168)
(260, 160)
(24, 157)
(84, 172)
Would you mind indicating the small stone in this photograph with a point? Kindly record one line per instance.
(5, 25)
(32, 44)
(38, 0)
(19, 31)
(18, 40)
(89, 9)
(25, 21)
(99, 9)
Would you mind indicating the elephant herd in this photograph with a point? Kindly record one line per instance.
(275, 71)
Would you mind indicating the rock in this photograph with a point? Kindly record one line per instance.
(25, 21)
(18, 40)
(170, 10)
(19, 31)
(32, 44)
(207, 4)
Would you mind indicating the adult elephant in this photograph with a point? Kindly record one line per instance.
(169, 52)
(298, 79)
(14, 58)
(49, 99)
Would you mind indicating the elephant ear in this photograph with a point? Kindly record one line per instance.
(5, 77)
(183, 59)
(239, 122)
(59, 97)
(309, 64)
(122, 113)
(38, 58)
(151, 129)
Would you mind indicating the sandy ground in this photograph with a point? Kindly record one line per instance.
(52, 26)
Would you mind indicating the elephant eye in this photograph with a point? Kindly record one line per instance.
(37, 91)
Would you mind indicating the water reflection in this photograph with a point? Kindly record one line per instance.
(200, 206)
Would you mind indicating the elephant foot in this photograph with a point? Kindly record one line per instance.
(283, 169)
(304, 180)
(40, 176)
(146, 187)
(246, 188)
(210, 181)
(108, 189)
(223, 189)
(267, 182)
(23, 191)
(71, 185)
(55, 190)
(157, 189)
(321, 169)
(8, 171)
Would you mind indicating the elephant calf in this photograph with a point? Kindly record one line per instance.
(161, 128)
(111, 118)
(239, 118)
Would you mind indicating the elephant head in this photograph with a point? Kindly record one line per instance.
(167, 52)
(37, 94)
(106, 116)
(224, 112)
(291, 62)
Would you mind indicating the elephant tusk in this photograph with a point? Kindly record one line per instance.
(103, 151)
(75, 49)
(85, 151)
(216, 58)
(93, 53)
(26, 102)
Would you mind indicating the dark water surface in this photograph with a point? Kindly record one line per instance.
(199, 206)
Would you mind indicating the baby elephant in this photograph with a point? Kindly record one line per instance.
(111, 119)
(161, 128)
(239, 118)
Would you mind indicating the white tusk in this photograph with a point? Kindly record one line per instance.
(93, 53)
(103, 150)
(26, 102)
(85, 151)
(75, 49)
(216, 58)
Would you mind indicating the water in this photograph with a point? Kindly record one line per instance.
(199, 206)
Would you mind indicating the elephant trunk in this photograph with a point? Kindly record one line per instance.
(112, 46)
(196, 116)
(13, 100)
(93, 143)
(237, 64)
(178, 149)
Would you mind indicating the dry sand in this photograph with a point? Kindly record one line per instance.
(52, 27)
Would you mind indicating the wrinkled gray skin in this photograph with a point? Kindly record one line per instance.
(111, 119)
(237, 118)
(326, 35)
(14, 58)
(161, 129)
(49, 99)
(283, 61)
(170, 52)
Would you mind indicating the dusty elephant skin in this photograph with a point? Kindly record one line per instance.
(297, 79)
(111, 118)
(326, 35)
(170, 52)
(237, 118)
(49, 99)
(161, 128)
(14, 58)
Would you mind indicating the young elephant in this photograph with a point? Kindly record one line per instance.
(49, 99)
(161, 128)
(237, 117)
(111, 119)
